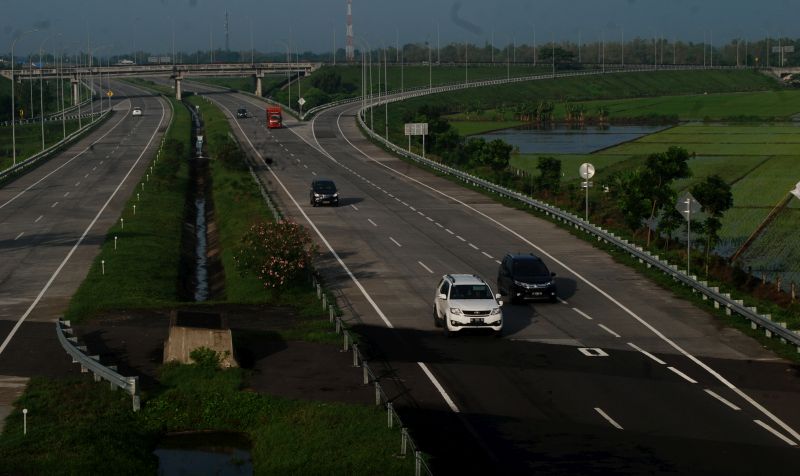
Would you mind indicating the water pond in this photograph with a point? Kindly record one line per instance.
(219, 454)
(563, 139)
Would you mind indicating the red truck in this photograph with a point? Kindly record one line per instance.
(274, 117)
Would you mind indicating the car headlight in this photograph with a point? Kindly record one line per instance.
(455, 310)
(495, 311)
(316, 195)
(336, 195)
(519, 283)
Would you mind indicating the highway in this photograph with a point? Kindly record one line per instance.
(618, 377)
(53, 221)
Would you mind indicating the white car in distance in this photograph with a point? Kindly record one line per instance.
(137, 111)
(465, 301)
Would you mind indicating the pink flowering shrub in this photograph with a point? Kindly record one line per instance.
(276, 252)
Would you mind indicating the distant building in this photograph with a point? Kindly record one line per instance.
(159, 59)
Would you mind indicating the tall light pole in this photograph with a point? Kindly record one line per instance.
(622, 46)
(534, 45)
(13, 105)
(288, 71)
(41, 88)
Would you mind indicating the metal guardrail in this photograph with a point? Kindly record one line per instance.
(720, 299)
(407, 443)
(34, 159)
(91, 363)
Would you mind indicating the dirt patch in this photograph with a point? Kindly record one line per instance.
(134, 341)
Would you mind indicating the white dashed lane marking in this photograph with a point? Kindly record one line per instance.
(605, 328)
(682, 375)
(726, 402)
(373, 223)
(426, 268)
(19, 236)
(395, 242)
(37, 220)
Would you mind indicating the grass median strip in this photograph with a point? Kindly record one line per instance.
(141, 272)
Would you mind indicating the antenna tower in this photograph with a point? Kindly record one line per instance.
(227, 37)
(351, 52)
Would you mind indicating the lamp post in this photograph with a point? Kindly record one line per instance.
(288, 71)
(13, 105)
(41, 87)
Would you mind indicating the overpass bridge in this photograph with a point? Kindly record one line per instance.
(176, 72)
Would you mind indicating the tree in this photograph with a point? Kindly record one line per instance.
(498, 154)
(630, 190)
(714, 194)
(549, 174)
(661, 170)
(275, 252)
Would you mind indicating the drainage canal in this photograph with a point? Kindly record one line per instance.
(201, 271)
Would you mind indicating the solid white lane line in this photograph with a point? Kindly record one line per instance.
(605, 328)
(19, 236)
(587, 316)
(726, 402)
(395, 242)
(775, 432)
(354, 207)
(426, 268)
(462, 239)
(608, 418)
(682, 375)
(439, 388)
(449, 231)
(373, 223)
(80, 240)
(55, 204)
(648, 354)
(487, 255)
(37, 220)
(66, 195)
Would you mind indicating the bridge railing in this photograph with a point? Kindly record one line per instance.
(720, 299)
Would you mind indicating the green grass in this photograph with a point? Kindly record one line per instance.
(766, 105)
(50, 99)
(237, 203)
(82, 427)
(569, 162)
(29, 139)
(778, 249)
(143, 271)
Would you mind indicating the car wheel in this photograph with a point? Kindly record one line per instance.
(436, 321)
(553, 298)
(447, 332)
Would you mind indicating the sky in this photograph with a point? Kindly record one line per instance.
(312, 24)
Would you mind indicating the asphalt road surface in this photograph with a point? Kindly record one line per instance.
(618, 377)
(52, 223)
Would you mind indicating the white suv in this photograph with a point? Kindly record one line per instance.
(465, 301)
(137, 111)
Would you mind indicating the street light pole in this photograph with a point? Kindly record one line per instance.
(41, 89)
(13, 105)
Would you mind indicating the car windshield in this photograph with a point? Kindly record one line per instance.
(325, 187)
(472, 291)
(529, 267)
(242, 111)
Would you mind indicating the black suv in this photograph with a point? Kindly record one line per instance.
(525, 276)
(241, 113)
(323, 191)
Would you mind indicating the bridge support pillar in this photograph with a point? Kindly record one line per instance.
(259, 75)
(178, 80)
(75, 89)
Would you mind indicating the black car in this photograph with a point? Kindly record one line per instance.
(525, 276)
(324, 192)
(241, 113)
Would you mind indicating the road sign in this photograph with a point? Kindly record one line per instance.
(301, 102)
(687, 205)
(110, 93)
(796, 191)
(416, 129)
(586, 171)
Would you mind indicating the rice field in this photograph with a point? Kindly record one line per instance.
(776, 252)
